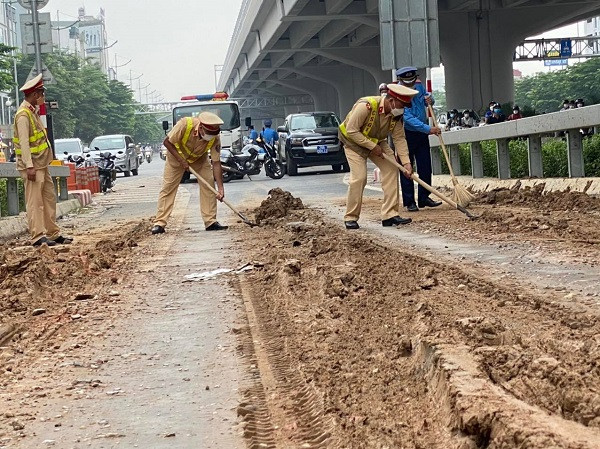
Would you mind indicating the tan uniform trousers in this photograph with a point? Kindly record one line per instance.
(171, 181)
(40, 201)
(358, 180)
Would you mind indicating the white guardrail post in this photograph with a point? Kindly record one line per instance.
(476, 160)
(575, 153)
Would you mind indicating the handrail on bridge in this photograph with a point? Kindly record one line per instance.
(8, 171)
(532, 128)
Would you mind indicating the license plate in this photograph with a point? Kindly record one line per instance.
(322, 149)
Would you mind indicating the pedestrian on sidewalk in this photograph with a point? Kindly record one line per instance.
(417, 136)
(189, 144)
(364, 134)
(33, 156)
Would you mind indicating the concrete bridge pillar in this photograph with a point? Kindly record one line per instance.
(477, 57)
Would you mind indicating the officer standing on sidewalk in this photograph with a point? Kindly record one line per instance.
(189, 144)
(33, 155)
(364, 134)
(417, 136)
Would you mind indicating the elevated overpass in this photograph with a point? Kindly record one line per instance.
(329, 50)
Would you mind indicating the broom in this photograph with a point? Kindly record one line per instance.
(460, 195)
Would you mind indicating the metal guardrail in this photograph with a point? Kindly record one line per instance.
(553, 48)
(8, 171)
(570, 122)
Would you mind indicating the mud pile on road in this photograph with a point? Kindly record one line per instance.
(277, 205)
(536, 198)
(46, 280)
(371, 346)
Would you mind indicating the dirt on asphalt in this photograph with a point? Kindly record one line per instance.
(374, 346)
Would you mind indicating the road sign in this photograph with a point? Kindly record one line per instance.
(27, 3)
(566, 49)
(554, 62)
(28, 46)
(47, 74)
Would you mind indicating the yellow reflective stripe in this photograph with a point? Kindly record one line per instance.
(183, 149)
(370, 121)
(35, 137)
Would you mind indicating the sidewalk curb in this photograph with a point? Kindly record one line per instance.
(11, 227)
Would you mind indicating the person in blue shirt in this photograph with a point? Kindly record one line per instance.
(269, 135)
(417, 132)
(253, 133)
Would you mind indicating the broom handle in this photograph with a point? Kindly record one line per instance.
(422, 183)
(441, 142)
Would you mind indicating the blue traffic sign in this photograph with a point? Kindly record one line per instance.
(566, 48)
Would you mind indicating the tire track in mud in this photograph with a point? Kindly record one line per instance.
(401, 351)
(279, 409)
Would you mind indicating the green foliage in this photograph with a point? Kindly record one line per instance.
(89, 103)
(7, 81)
(147, 129)
(554, 158)
(4, 198)
(545, 92)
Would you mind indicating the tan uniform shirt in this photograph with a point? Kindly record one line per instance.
(26, 159)
(356, 140)
(195, 143)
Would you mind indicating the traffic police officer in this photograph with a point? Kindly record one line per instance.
(269, 135)
(417, 132)
(189, 144)
(33, 155)
(364, 134)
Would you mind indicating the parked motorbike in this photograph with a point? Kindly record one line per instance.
(107, 171)
(250, 161)
(80, 161)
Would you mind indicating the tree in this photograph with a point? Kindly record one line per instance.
(147, 129)
(120, 119)
(7, 81)
(545, 92)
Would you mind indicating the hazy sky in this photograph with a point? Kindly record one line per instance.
(174, 43)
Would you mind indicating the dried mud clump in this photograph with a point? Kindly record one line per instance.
(536, 198)
(277, 205)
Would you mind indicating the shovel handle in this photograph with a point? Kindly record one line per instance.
(443, 145)
(422, 183)
(215, 191)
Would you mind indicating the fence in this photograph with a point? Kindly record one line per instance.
(9, 172)
(532, 128)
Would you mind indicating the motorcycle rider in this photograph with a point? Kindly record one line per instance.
(189, 144)
(269, 135)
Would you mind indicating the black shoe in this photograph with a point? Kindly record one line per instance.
(216, 226)
(352, 224)
(412, 208)
(63, 240)
(428, 202)
(157, 229)
(43, 240)
(395, 221)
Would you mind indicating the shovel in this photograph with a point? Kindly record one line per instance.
(426, 186)
(212, 189)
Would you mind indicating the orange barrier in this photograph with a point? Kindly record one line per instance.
(95, 184)
(72, 179)
(82, 180)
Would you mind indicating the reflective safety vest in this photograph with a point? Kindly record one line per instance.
(183, 149)
(366, 129)
(38, 140)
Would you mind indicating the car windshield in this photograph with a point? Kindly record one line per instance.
(67, 146)
(108, 143)
(312, 121)
(228, 112)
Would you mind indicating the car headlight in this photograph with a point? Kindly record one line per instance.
(296, 140)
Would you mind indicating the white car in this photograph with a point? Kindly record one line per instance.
(68, 147)
(121, 146)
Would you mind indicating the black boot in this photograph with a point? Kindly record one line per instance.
(216, 226)
(395, 221)
(157, 229)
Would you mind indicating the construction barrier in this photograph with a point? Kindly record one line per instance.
(83, 195)
(82, 181)
(72, 179)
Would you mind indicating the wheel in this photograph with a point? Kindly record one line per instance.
(227, 176)
(126, 173)
(185, 177)
(345, 167)
(274, 169)
(134, 171)
(292, 166)
(104, 184)
(337, 167)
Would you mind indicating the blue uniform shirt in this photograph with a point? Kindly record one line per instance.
(270, 136)
(415, 117)
(253, 134)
